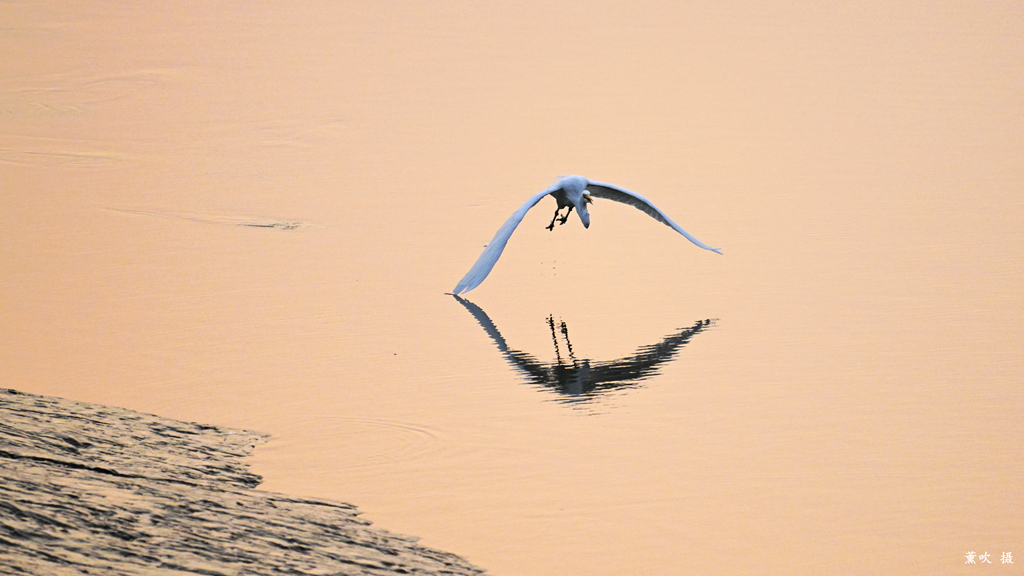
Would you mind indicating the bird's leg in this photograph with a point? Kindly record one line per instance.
(566, 217)
(553, 218)
(558, 217)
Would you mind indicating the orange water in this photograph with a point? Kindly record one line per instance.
(248, 214)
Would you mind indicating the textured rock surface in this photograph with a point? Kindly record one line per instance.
(87, 489)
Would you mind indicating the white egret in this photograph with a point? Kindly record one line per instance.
(570, 192)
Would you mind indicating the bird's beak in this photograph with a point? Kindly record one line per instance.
(588, 198)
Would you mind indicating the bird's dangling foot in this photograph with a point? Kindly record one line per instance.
(559, 218)
(553, 218)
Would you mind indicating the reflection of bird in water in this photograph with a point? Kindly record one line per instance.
(569, 192)
(583, 379)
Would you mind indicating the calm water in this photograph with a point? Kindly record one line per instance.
(249, 215)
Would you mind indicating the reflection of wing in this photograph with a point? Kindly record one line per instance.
(583, 379)
(645, 363)
(522, 360)
(611, 192)
(492, 252)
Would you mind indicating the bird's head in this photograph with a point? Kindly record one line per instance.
(581, 209)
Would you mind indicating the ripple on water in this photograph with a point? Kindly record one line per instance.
(372, 443)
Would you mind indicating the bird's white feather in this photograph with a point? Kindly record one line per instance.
(493, 251)
(568, 191)
(611, 192)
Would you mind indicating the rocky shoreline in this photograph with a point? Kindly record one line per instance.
(89, 489)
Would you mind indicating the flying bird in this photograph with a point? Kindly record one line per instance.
(570, 192)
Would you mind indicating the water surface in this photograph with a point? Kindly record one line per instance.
(249, 215)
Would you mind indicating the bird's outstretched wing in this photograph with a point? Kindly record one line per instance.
(601, 190)
(492, 252)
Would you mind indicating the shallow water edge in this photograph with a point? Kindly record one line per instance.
(92, 489)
